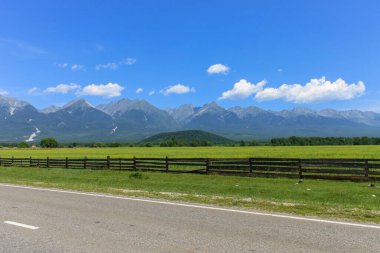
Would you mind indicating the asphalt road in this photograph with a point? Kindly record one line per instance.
(70, 222)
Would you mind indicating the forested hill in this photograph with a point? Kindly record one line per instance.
(187, 137)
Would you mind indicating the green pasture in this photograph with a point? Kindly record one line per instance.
(369, 152)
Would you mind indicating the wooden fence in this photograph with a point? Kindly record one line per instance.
(335, 169)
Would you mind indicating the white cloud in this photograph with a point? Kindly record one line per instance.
(32, 90)
(242, 89)
(177, 89)
(129, 61)
(62, 88)
(111, 65)
(109, 90)
(218, 69)
(77, 67)
(316, 90)
(139, 90)
(3, 92)
(152, 92)
(63, 65)
(280, 70)
(115, 65)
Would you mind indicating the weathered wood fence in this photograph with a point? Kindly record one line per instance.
(335, 169)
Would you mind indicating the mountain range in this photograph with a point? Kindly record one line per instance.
(134, 120)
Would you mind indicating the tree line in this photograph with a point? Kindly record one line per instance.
(323, 141)
(290, 141)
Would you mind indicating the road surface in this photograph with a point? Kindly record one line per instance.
(43, 220)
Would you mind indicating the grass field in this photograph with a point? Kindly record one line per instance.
(333, 199)
(207, 152)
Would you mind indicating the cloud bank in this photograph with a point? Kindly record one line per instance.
(316, 90)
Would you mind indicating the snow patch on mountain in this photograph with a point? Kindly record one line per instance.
(12, 110)
(33, 136)
(12, 104)
(114, 130)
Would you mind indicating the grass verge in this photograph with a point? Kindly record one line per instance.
(329, 199)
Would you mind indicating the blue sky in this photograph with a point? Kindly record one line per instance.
(107, 50)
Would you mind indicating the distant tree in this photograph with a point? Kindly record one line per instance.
(23, 145)
(253, 143)
(114, 145)
(148, 144)
(98, 145)
(49, 143)
(242, 143)
(163, 144)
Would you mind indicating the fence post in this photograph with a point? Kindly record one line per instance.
(1, 161)
(85, 162)
(250, 166)
(47, 162)
(13, 159)
(207, 165)
(108, 162)
(366, 170)
(300, 170)
(167, 164)
(66, 163)
(30, 161)
(119, 163)
(134, 163)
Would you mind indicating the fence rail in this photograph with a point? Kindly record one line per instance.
(334, 169)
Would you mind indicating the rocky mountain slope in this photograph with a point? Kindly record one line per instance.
(134, 120)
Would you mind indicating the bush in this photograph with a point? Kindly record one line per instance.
(254, 143)
(23, 145)
(49, 143)
(99, 145)
(114, 145)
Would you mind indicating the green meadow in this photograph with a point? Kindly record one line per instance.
(202, 152)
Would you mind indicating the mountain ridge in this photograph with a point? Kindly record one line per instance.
(134, 120)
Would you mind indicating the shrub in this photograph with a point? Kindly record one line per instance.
(114, 144)
(23, 145)
(49, 143)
